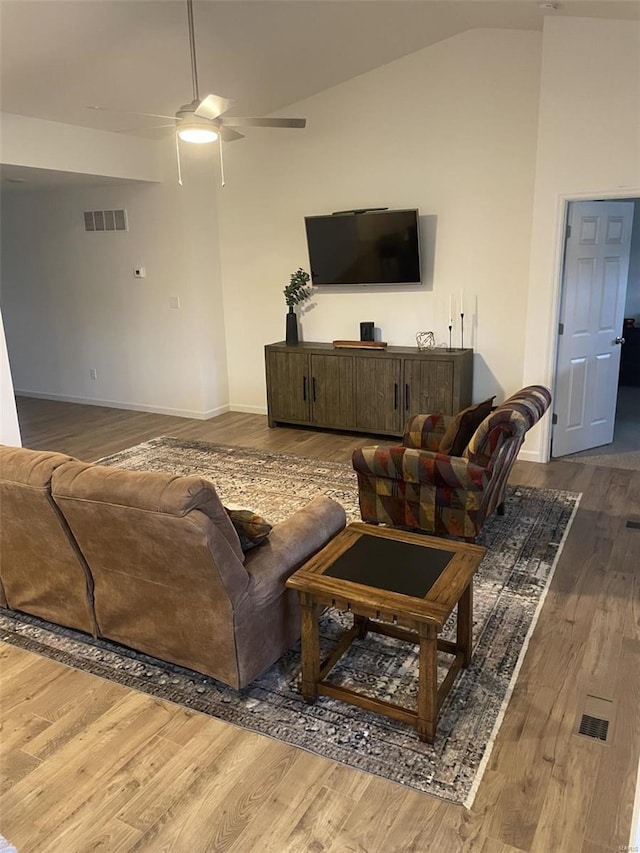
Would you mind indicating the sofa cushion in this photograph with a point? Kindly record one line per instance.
(30, 467)
(147, 491)
(42, 571)
(251, 528)
(461, 429)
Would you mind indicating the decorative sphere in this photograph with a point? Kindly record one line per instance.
(425, 340)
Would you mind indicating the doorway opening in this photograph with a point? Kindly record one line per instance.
(597, 377)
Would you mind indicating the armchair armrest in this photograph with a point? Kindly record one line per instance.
(420, 466)
(425, 431)
(289, 545)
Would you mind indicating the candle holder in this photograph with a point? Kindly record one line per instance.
(450, 347)
(462, 329)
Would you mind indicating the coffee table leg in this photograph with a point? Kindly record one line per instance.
(465, 623)
(427, 683)
(362, 624)
(310, 648)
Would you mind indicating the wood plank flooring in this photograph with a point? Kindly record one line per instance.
(90, 765)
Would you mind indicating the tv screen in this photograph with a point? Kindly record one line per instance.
(372, 247)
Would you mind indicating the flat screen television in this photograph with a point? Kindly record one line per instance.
(364, 247)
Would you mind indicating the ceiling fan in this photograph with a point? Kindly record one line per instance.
(202, 120)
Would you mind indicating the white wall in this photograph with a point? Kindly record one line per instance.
(632, 304)
(9, 428)
(451, 130)
(68, 148)
(588, 147)
(486, 133)
(71, 302)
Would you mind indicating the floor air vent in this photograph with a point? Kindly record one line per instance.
(595, 719)
(593, 727)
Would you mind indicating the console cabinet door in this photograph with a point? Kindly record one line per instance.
(428, 387)
(332, 391)
(378, 394)
(288, 386)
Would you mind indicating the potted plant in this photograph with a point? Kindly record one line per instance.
(294, 293)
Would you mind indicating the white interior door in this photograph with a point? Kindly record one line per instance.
(596, 266)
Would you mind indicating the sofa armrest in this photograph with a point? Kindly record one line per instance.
(425, 431)
(289, 545)
(420, 466)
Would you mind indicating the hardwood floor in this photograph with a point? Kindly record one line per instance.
(91, 765)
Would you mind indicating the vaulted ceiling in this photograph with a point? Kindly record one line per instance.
(60, 56)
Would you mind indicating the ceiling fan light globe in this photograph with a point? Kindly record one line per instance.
(198, 135)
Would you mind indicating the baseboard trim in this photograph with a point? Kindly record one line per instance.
(212, 413)
(248, 410)
(530, 456)
(634, 841)
(133, 407)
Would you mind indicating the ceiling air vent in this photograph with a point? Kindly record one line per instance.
(105, 220)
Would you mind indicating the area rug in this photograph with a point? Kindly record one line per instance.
(523, 549)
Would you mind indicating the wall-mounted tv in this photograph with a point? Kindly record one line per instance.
(364, 247)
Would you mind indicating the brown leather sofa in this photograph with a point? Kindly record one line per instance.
(42, 570)
(152, 561)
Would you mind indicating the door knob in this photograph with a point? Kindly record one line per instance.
(618, 340)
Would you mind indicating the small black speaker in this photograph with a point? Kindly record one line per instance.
(366, 331)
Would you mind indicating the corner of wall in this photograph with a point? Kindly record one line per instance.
(9, 426)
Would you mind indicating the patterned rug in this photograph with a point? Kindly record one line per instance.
(523, 549)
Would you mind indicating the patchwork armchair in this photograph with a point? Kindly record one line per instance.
(418, 487)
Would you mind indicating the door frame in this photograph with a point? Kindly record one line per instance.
(556, 302)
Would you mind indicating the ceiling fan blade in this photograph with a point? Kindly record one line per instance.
(212, 106)
(129, 112)
(228, 134)
(234, 121)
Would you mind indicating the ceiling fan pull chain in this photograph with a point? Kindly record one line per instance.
(221, 160)
(192, 45)
(178, 159)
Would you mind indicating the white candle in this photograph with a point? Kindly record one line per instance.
(461, 304)
(450, 310)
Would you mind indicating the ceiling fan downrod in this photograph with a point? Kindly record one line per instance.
(192, 46)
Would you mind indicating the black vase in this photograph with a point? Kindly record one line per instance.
(292, 328)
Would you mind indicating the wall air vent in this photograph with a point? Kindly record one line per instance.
(105, 220)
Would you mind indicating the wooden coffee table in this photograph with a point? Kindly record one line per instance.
(396, 583)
